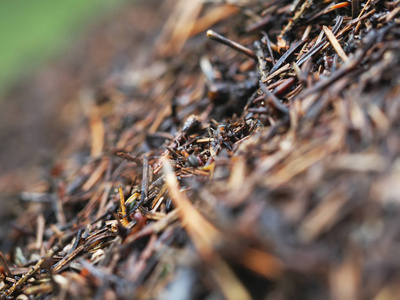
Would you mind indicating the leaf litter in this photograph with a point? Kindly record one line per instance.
(262, 163)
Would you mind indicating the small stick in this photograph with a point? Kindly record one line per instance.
(58, 205)
(3, 263)
(129, 157)
(273, 101)
(63, 261)
(236, 46)
(268, 42)
(124, 215)
(335, 44)
(68, 258)
(145, 183)
(158, 197)
(39, 232)
(285, 56)
(145, 179)
(36, 267)
(281, 70)
(283, 86)
(338, 5)
(318, 47)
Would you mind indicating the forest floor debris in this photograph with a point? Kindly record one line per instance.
(264, 167)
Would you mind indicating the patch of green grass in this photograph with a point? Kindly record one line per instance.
(31, 30)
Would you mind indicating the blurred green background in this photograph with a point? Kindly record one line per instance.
(30, 31)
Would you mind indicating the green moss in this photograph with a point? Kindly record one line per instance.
(31, 30)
